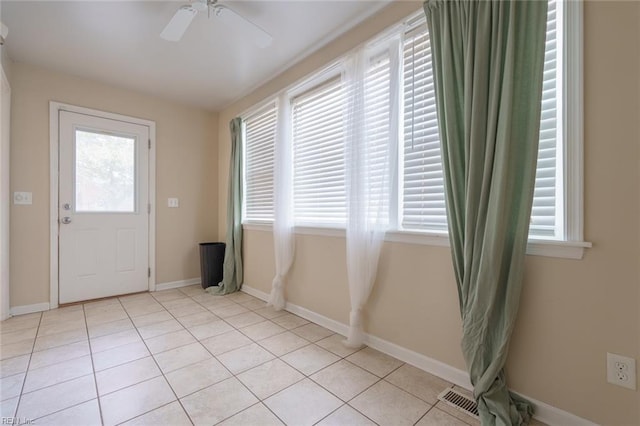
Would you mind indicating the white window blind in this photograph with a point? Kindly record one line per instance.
(423, 199)
(260, 131)
(319, 192)
(544, 215)
(417, 199)
(377, 115)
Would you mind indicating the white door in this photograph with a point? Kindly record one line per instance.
(103, 212)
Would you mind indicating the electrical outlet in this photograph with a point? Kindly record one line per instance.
(621, 371)
(173, 202)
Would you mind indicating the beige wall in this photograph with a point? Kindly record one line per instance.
(572, 312)
(186, 150)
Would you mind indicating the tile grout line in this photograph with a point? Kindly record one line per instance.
(466, 422)
(157, 365)
(93, 367)
(64, 381)
(260, 400)
(161, 372)
(264, 319)
(383, 379)
(379, 379)
(305, 376)
(150, 355)
(423, 416)
(225, 367)
(65, 408)
(224, 318)
(26, 372)
(431, 406)
(198, 390)
(198, 341)
(207, 349)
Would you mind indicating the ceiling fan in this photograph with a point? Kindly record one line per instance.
(183, 17)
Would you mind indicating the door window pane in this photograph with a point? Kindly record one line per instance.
(104, 172)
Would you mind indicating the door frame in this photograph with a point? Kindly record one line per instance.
(54, 151)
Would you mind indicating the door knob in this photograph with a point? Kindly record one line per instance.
(66, 220)
(67, 206)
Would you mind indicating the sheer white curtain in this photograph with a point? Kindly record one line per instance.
(283, 237)
(371, 137)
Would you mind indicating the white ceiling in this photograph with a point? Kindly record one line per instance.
(117, 42)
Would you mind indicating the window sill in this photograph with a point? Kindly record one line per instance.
(547, 248)
(563, 249)
(535, 247)
(255, 226)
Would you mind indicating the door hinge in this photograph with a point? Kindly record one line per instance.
(149, 272)
(149, 143)
(149, 208)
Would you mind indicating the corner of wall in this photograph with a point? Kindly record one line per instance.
(7, 63)
(224, 141)
(214, 118)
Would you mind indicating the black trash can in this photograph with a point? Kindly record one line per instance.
(211, 261)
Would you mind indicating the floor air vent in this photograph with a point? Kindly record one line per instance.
(462, 402)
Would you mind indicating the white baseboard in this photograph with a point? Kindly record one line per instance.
(543, 411)
(29, 309)
(554, 416)
(177, 284)
(445, 371)
(257, 293)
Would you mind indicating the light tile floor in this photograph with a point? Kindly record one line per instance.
(182, 356)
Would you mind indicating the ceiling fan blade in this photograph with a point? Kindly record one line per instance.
(259, 36)
(179, 23)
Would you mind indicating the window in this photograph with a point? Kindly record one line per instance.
(547, 212)
(105, 172)
(417, 204)
(260, 133)
(423, 195)
(423, 200)
(379, 128)
(319, 151)
(319, 192)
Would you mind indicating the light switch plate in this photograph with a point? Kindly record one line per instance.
(173, 202)
(25, 198)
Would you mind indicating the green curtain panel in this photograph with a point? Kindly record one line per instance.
(488, 62)
(232, 270)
